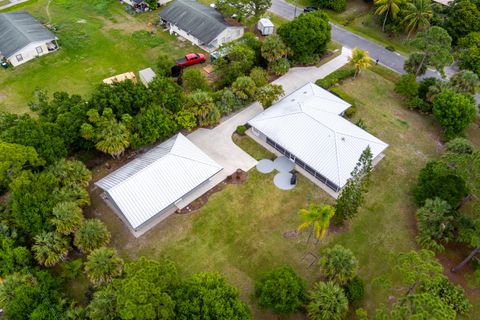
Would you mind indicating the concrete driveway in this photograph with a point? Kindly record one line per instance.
(217, 142)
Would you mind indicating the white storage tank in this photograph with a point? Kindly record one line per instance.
(265, 26)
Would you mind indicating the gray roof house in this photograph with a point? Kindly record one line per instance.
(23, 38)
(201, 25)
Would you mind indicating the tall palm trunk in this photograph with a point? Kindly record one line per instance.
(421, 65)
(467, 260)
(310, 234)
(385, 20)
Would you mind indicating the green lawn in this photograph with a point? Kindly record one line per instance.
(98, 39)
(358, 18)
(239, 232)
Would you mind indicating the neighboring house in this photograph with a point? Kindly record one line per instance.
(444, 2)
(146, 76)
(149, 188)
(142, 5)
(307, 126)
(23, 38)
(201, 25)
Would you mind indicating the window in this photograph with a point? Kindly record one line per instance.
(19, 57)
(39, 50)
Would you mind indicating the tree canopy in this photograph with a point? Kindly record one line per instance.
(307, 36)
(338, 264)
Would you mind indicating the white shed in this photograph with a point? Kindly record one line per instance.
(146, 76)
(265, 26)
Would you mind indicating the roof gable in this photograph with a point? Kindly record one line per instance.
(309, 125)
(203, 22)
(19, 29)
(152, 182)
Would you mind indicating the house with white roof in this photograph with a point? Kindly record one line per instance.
(308, 127)
(147, 190)
(23, 38)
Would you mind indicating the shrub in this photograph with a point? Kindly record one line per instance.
(407, 86)
(361, 124)
(259, 76)
(336, 77)
(454, 112)
(241, 130)
(244, 88)
(279, 67)
(418, 104)
(354, 290)
(335, 5)
(194, 79)
(459, 145)
(339, 264)
(281, 290)
(350, 112)
(425, 85)
(327, 301)
(227, 101)
(436, 179)
(343, 95)
(165, 63)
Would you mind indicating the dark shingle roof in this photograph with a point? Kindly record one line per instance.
(19, 29)
(204, 23)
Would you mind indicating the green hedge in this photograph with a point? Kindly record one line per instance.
(335, 77)
(345, 96)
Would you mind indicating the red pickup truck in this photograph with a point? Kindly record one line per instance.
(190, 59)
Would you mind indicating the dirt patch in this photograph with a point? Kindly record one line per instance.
(237, 177)
(453, 255)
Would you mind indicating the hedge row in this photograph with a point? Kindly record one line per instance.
(335, 77)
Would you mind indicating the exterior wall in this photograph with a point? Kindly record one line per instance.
(28, 53)
(227, 35)
(183, 34)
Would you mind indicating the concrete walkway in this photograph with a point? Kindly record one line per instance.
(298, 77)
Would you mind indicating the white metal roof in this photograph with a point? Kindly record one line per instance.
(152, 182)
(308, 124)
(266, 22)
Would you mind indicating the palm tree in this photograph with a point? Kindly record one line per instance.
(67, 217)
(360, 60)
(417, 15)
(316, 219)
(91, 235)
(50, 248)
(103, 265)
(387, 7)
(114, 138)
(71, 173)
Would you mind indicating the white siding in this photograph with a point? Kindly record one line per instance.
(229, 34)
(183, 34)
(28, 53)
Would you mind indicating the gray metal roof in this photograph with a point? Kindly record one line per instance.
(203, 22)
(154, 181)
(19, 29)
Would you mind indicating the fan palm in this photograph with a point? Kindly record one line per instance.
(417, 15)
(360, 60)
(67, 217)
(316, 219)
(387, 7)
(71, 173)
(103, 265)
(50, 248)
(91, 235)
(114, 138)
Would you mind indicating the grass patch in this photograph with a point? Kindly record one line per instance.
(252, 148)
(98, 39)
(385, 72)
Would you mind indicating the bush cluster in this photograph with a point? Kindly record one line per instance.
(336, 77)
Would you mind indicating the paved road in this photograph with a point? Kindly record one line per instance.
(350, 40)
(389, 59)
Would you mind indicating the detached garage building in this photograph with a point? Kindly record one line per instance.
(307, 126)
(147, 189)
(23, 38)
(201, 25)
